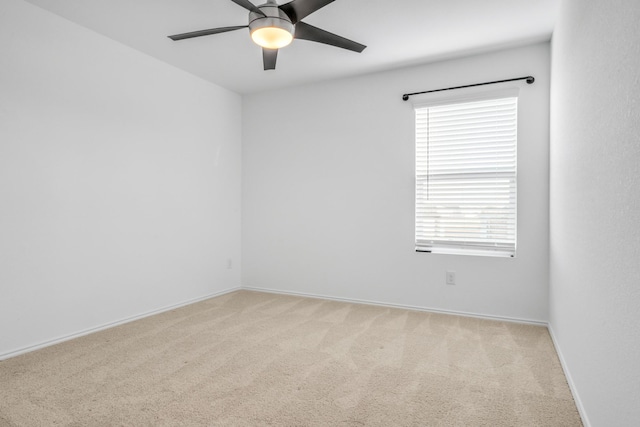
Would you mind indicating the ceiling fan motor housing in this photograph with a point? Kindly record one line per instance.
(274, 17)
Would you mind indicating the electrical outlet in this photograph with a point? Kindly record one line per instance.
(451, 277)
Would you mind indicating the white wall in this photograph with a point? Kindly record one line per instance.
(119, 181)
(595, 206)
(328, 192)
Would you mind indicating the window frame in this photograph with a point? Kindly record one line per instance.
(440, 99)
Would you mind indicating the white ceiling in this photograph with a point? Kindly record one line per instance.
(397, 33)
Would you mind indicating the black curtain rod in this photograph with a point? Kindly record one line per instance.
(529, 80)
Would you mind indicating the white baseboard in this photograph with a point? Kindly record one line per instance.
(84, 332)
(567, 374)
(58, 340)
(404, 306)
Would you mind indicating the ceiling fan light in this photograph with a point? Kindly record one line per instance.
(271, 37)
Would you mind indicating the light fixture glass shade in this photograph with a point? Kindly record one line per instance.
(271, 37)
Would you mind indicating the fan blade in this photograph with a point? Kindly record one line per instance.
(205, 32)
(269, 57)
(249, 6)
(309, 32)
(296, 10)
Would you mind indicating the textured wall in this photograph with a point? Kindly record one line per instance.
(328, 192)
(119, 181)
(595, 205)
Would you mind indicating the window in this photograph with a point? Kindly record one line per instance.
(466, 177)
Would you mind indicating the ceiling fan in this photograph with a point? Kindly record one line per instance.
(274, 26)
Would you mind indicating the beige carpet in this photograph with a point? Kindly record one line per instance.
(256, 359)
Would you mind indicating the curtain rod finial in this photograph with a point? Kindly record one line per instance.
(530, 79)
(405, 97)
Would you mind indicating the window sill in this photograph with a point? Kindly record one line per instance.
(471, 252)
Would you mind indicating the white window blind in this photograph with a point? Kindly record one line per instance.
(466, 177)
